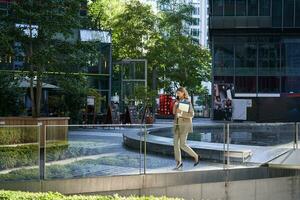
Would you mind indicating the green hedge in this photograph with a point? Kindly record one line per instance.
(12, 195)
(27, 155)
(80, 168)
(18, 156)
(17, 135)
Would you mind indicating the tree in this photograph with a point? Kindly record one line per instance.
(179, 60)
(11, 94)
(104, 13)
(45, 30)
(160, 38)
(132, 26)
(74, 91)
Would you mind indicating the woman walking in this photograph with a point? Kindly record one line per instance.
(183, 126)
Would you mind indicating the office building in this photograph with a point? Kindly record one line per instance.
(198, 29)
(256, 47)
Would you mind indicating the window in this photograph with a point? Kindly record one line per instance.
(195, 41)
(218, 7)
(4, 8)
(196, 11)
(245, 84)
(288, 13)
(291, 55)
(195, 32)
(83, 13)
(3, 5)
(290, 84)
(268, 84)
(83, 9)
(269, 55)
(252, 7)
(240, 7)
(229, 7)
(165, 7)
(264, 7)
(196, 21)
(246, 55)
(276, 13)
(223, 55)
(223, 79)
(297, 14)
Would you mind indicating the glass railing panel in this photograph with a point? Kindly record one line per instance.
(297, 136)
(92, 150)
(259, 143)
(206, 140)
(19, 152)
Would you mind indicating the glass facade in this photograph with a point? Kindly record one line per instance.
(258, 64)
(283, 13)
(256, 47)
(217, 7)
(268, 84)
(264, 8)
(276, 13)
(291, 55)
(245, 84)
(223, 54)
(297, 14)
(290, 84)
(241, 7)
(253, 7)
(229, 8)
(288, 13)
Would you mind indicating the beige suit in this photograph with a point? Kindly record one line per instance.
(182, 126)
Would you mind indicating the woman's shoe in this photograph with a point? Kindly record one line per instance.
(178, 166)
(196, 163)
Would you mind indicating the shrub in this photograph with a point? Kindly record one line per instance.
(27, 155)
(10, 136)
(18, 156)
(17, 135)
(12, 195)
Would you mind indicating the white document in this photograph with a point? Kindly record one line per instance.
(184, 107)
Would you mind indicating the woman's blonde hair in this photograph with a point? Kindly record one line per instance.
(185, 92)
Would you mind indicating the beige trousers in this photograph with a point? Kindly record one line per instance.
(180, 137)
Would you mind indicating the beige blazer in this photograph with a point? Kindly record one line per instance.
(184, 121)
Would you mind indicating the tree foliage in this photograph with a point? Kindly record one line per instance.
(132, 24)
(11, 94)
(45, 31)
(162, 38)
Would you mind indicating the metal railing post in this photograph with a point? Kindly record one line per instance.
(141, 150)
(145, 148)
(228, 158)
(42, 150)
(297, 135)
(39, 150)
(224, 146)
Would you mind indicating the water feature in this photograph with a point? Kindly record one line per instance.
(255, 134)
